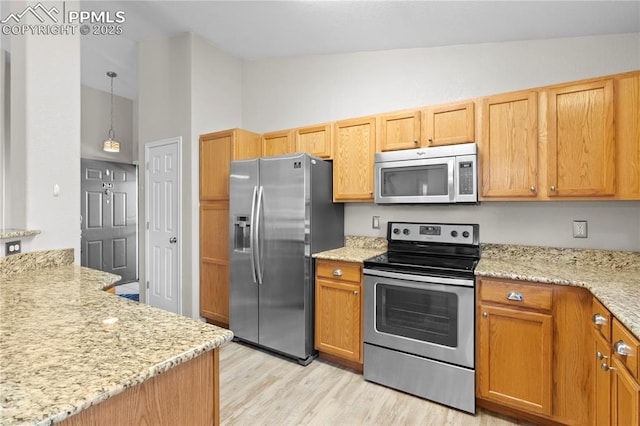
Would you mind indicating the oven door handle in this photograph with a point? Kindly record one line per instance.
(421, 278)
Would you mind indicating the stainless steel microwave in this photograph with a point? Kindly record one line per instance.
(444, 174)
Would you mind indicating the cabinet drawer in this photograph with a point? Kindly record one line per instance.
(623, 342)
(342, 271)
(601, 319)
(516, 294)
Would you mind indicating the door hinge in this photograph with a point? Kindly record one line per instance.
(147, 285)
(147, 165)
(147, 225)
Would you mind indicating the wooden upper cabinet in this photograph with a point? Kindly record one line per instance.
(278, 143)
(509, 145)
(354, 146)
(449, 124)
(581, 140)
(217, 150)
(628, 137)
(215, 155)
(400, 131)
(315, 140)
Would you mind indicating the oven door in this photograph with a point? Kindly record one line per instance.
(432, 317)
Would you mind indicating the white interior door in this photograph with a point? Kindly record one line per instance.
(163, 216)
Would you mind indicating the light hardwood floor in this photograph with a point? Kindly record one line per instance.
(258, 388)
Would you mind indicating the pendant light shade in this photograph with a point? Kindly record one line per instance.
(110, 144)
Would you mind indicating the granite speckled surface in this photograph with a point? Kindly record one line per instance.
(24, 262)
(612, 276)
(356, 249)
(17, 233)
(58, 356)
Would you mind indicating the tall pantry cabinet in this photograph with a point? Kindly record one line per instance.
(217, 150)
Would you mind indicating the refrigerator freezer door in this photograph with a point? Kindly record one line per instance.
(243, 288)
(284, 231)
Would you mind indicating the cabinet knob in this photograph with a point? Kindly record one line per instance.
(337, 272)
(599, 319)
(515, 296)
(484, 315)
(430, 139)
(355, 293)
(553, 188)
(415, 141)
(606, 367)
(622, 348)
(600, 355)
(533, 188)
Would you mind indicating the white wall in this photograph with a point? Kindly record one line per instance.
(284, 93)
(187, 87)
(45, 138)
(95, 122)
(4, 78)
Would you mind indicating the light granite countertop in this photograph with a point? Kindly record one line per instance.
(17, 233)
(356, 249)
(62, 349)
(611, 276)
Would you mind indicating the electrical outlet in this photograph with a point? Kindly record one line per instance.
(13, 247)
(579, 229)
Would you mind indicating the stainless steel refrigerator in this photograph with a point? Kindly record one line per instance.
(281, 212)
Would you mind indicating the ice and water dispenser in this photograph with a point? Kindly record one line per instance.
(242, 233)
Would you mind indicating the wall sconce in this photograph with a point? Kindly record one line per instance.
(110, 144)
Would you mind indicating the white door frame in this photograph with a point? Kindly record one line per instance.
(178, 141)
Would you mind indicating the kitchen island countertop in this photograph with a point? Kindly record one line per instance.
(611, 276)
(66, 346)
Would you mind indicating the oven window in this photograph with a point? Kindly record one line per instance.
(425, 180)
(425, 315)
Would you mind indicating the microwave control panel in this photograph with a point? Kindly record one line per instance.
(465, 185)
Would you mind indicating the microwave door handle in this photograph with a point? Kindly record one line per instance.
(451, 180)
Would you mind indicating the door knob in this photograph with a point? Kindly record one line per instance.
(173, 240)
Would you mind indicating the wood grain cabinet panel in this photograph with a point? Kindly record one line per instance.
(400, 131)
(215, 155)
(315, 140)
(278, 143)
(625, 397)
(338, 310)
(449, 124)
(628, 137)
(581, 140)
(516, 358)
(509, 145)
(601, 380)
(353, 154)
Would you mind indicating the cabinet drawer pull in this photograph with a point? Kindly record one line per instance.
(600, 355)
(553, 188)
(622, 348)
(337, 272)
(355, 293)
(599, 319)
(516, 296)
(606, 367)
(533, 188)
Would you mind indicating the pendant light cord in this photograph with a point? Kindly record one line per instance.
(112, 134)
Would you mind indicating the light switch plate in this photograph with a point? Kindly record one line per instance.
(375, 222)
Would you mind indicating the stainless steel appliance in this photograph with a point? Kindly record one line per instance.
(419, 312)
(281, 211)
(444, 174)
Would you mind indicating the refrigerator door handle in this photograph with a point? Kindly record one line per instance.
(252, 240)
(257, 235)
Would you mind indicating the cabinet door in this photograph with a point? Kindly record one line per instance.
(581, 144)
(400, 131)
(277, 143)
(515, 358)
(625, 397)
(601, 380)
(337, 325)
(449, 124)
(509, 145)
(215, 155)
(316, 140)
(628, 137)
(214, 261)
(353, 155)
(245, 145)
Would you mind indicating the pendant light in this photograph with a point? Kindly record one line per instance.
(110, 144)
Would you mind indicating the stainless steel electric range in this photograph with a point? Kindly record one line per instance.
(419, 312)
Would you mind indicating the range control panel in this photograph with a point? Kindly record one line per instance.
(450, 233)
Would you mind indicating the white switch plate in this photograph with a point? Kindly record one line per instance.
(375, 222)
(579, 229)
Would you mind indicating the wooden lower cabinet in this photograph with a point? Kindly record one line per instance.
(601, 380)
(625, 396)
(188, 394)
(338, 307)
(533, 351)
